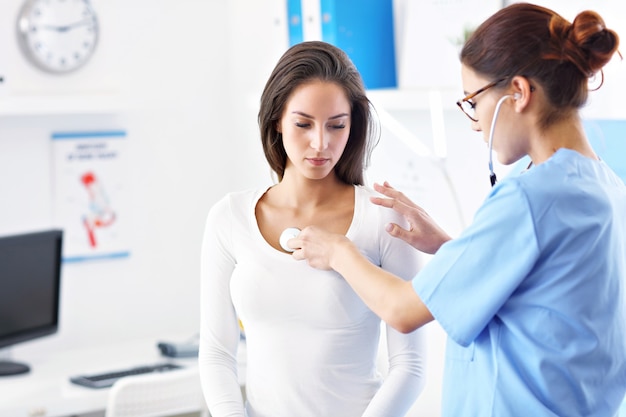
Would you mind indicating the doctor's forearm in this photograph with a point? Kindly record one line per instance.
(391, 298)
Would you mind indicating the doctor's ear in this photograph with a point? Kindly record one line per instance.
(522, 87)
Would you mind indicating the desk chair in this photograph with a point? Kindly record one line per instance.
(170, 393)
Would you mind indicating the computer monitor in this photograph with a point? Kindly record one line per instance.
(30, 283)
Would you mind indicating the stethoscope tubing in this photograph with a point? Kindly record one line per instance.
(492, 175)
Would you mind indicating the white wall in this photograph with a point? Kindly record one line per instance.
(162, 71)
(184, 78)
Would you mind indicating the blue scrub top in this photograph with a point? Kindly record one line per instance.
(532, 296)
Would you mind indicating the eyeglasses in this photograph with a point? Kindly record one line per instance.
(466, 104)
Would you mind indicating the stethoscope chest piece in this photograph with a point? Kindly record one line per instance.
(288, 233)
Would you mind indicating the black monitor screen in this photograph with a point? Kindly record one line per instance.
(30, 271)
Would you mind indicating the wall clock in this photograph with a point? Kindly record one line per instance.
(57, 36)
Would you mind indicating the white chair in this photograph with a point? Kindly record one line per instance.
(157, 394)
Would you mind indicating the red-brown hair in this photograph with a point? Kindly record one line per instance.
(539, 44)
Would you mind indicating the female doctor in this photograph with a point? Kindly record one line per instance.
(532, 294)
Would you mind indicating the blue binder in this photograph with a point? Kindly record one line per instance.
(362, 28)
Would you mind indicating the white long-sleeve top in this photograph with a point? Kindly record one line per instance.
(311, 342)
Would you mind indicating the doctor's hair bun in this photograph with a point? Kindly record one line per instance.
(586, 42)
(558, 56)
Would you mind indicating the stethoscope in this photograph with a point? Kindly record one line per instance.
(492, 175)
(292, 232)
(288, 233)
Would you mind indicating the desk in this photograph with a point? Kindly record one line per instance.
(47, 392)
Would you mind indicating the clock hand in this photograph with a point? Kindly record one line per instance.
(67, 27)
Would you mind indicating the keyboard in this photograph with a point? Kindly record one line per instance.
(106, 379)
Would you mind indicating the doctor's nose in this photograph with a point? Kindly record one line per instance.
(319, 141)
(476, 127)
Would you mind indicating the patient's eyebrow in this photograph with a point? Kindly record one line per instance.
(338, 116)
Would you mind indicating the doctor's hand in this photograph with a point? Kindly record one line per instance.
(317, 246)
(424, 234)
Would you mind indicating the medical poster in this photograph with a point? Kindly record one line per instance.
(90, 187)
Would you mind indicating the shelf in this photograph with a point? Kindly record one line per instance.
(59, 105)
(413, 99)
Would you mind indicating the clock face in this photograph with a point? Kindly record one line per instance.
(58, 35)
